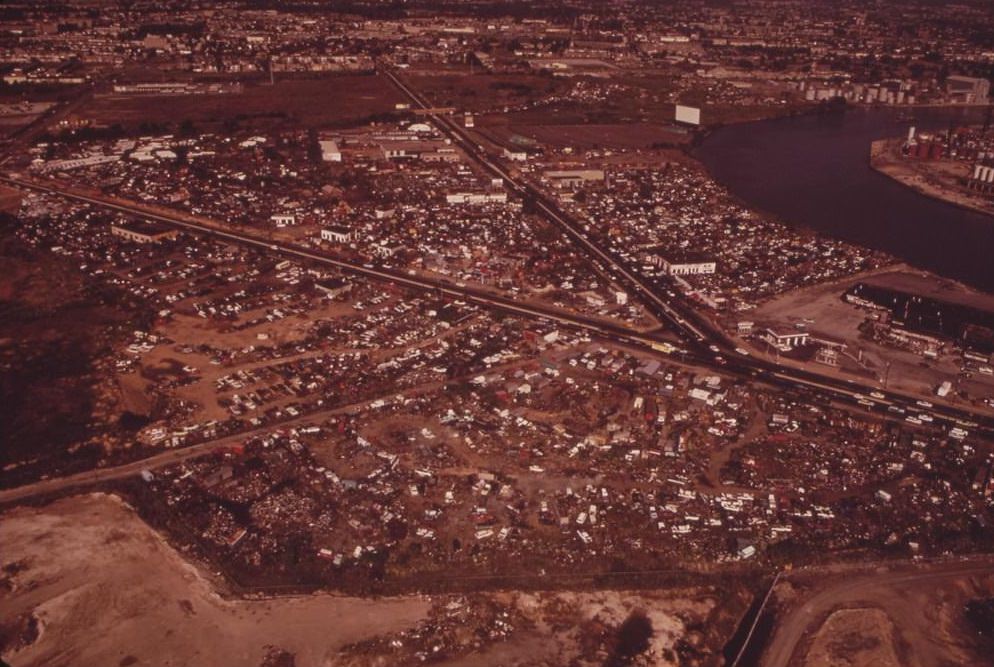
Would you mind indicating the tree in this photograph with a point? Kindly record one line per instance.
(633, 639)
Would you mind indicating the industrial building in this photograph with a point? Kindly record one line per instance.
(967, 89)
(336, 234)
(677, 263)
(143, 232)
(562, 178)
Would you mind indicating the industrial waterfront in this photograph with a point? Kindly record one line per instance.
(813, 172)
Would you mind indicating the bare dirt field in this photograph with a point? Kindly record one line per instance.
(106, 590)
(857, 637)
(84, 581)
(337, 100)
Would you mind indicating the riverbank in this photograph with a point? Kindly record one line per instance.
(933, 178)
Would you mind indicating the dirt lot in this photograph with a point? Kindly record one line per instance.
(133, 600)
(329, 101)
(857, 637)
(821, 310)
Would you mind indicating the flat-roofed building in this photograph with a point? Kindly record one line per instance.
(336, 234)
(968, 89)
(143, 232)
(334, 286)
(330, 152)
(680, 263)
(785, 341)
(562, 178)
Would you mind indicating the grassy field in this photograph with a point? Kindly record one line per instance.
(312, 103)
(484, 92)
(618, 136)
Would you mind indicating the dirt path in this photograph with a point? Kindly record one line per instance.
(719, 458)
(173, 456)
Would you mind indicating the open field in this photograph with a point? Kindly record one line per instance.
(485, 92)
(133, 599)
(326, 101)
(857, 637)
(616, 136)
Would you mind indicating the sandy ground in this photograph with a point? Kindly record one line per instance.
(857, 637)
(108, 591)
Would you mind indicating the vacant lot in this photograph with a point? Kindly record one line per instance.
(106, 590)
(857, 637)
(326, 101)
(485, 92)
(618, 136)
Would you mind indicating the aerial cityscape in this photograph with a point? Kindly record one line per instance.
(496, 332)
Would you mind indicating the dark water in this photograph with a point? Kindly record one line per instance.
(813, 172)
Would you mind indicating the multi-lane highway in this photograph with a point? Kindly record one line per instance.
(703, 343)
(786, 378)
(707, 343)
(687, 323)
(468, 293)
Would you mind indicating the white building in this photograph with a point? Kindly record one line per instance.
(148, 232)
(784, 341)
(330, 151)
(476, 198)
(683, 264)
(568, 178)
(336, 234)
(515, 155)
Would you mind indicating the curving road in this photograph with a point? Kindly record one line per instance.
(896, 589)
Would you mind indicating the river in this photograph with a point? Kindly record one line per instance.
(813, 172)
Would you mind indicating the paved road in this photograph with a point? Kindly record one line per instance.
(707, 342)
(771, 373)
(886, 588)
(173, 456)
